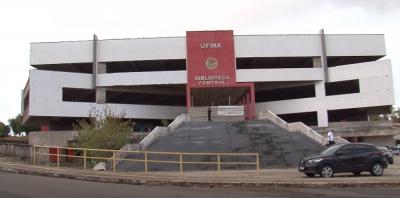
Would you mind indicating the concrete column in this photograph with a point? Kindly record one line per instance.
(101, 68)
(322, 112)
(324, 59)
(317, 62)
(322, 116)
(320, 89)
(101, 92)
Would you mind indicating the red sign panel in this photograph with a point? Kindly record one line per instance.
(210, 58)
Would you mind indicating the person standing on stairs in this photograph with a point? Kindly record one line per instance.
(331, 137)
(209, 114)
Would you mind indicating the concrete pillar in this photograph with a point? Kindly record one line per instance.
(101, 92)
(322, 112)
(317, 62)
(324, 59)
(101, 68)
(319, 89)
(322, 116)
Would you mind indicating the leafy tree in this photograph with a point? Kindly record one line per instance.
(395, 115)
(17, 126)
(105, 130)
(4, 129)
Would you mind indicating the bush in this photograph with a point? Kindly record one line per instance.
(4, 129)
(105, 130)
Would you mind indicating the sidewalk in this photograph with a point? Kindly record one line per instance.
(269, 178)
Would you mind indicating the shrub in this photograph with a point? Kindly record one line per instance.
(104, 130)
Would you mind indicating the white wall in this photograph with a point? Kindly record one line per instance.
(61, 52)
(180, 77)
(303, 45)
(142, 78)
(376, 89)
(46, 98)
(142, 49)
(273, 75)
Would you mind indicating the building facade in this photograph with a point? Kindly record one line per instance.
(323, 80)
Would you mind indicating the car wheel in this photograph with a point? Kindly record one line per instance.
(357, 173)
(377, 169)
(327, 171)
(310, 174)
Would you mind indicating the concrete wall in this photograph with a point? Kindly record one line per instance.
(376, 84)
(375, 78)
(22, 151)
(175, 48)
(51, 138)
(376, 89)
(273, 75)
(380, 140)
(46, 98)
(142, 78)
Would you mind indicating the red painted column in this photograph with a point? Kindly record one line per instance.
(188, 98)
(248, 100)
(253, 102)
(245, 107)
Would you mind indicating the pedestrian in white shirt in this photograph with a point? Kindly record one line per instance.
(331, 137)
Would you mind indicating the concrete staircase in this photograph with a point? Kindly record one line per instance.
(277, 147)
(218, 113)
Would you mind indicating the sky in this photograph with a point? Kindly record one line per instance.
(25, 21)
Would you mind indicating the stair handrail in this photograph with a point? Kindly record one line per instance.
(178, 121)
(297, 127)
(162, 131)
(306, 130)
(269, 115)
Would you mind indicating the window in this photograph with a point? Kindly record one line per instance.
(78, 95)
(342, 87)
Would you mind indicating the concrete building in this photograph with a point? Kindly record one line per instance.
(324, 80)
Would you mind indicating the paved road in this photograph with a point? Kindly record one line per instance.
(28, 186)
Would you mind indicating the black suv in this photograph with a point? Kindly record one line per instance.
(340, 158)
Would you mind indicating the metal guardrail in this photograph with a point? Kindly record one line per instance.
(146, 159)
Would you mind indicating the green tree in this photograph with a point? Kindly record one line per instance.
(395, 115)
(105, 130)
(4, 129)
(18, 126)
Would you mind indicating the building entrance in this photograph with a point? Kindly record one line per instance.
(240, 94)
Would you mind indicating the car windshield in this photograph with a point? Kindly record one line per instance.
(331, 150)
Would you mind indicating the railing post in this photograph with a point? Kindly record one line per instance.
(145, 162)
(34, 154)
(258, 164)
(219, 164)
(58, 156)
(113, 158)
(180, 163)
(84, 159)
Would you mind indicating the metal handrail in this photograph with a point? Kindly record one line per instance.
(146, 160)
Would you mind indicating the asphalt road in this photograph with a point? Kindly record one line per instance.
(28, 186)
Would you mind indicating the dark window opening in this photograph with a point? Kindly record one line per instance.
(78, 95)
(308, 118)
(274, 62)
(146, 65)
(120, 97)
(306, 91)
(345, 115)
(342, 87)
(73, 67)
(346, 60)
